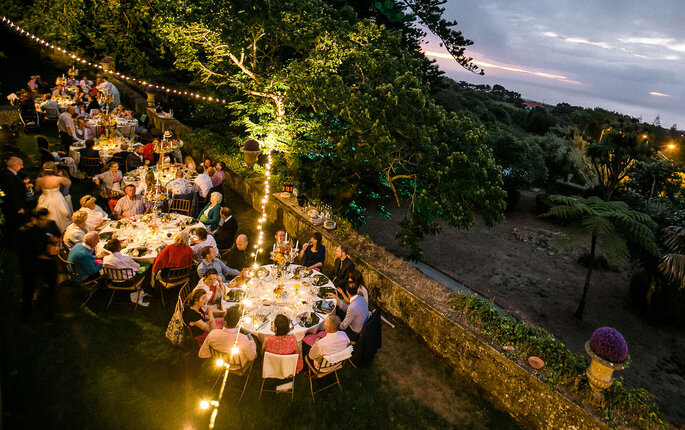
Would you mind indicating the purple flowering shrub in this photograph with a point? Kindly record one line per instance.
(609, 344)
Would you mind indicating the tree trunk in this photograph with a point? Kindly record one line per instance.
(581, 306)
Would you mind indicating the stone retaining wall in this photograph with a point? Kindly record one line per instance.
(423, 308)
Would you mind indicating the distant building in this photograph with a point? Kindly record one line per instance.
(529, 104)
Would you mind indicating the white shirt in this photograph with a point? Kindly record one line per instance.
(223, 340)
(73, 235)
(329, 344)
(116, 260)
(65, 122)
(178, 186)
(203, 183)
(207, 242)
(95, 215)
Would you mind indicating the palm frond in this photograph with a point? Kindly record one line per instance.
(673, 266)
(675, 238)
(597, 224)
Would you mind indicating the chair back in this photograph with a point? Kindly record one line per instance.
(72, 270)
(178, 273)
(119, 275)
(120, 159)
(226, 357)
(51, 113)
(332, 360)
(184, 293)
(181, 206)
(279, 366)
(90, 165)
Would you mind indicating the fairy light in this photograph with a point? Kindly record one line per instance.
(82, 60)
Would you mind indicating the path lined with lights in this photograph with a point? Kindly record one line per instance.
(84, 61)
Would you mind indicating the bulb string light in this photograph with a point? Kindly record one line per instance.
(100, 67)
(258, 249)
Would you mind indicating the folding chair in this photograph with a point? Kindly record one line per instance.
(181, 206)
(329, 365)
(177, 276)
(50, 114)
(282, 367)
(74, 276)
(235, 368)
(123, 280)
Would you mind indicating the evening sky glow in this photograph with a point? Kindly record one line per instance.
(627, 56)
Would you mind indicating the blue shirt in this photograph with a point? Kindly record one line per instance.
(311, 258)
(220, 266)
(84, 259)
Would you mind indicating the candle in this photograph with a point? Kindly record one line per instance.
(297, 246)
(286, 236)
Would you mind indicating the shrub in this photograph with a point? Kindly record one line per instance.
(609, 344)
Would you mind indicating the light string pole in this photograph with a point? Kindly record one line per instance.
(258, 249)
(79, 59)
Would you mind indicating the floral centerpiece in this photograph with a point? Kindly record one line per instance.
(282, 254)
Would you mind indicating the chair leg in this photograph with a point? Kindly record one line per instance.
(161, 293)
(261, 389)
(111, 298)
(245, 386)
(311, 386)
(292, 396)
(338, 379)
(92, 292)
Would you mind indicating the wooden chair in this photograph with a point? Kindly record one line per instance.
(90, 165)
(181, 206)
(282, 367)
(177, 276)
(90, 285)
(329, 365)
(50, 114)
(123, 280)
(235, 367)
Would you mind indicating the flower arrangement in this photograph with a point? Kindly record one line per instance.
(165, 146)
(283, 253)
(609, 344)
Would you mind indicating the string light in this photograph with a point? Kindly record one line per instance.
(81, 60)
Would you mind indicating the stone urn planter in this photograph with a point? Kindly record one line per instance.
(251, 152)
(151, 93)
(608, 351)
(107, 63)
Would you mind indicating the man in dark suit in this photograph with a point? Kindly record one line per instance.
(238, 257)
(14, 201)
(341, 268)
(135, 159)
(225, 234)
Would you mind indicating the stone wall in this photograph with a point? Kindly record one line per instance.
(421, 304)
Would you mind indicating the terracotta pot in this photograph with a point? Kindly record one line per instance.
(600, 372)
(250, 156)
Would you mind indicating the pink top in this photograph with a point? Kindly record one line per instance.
(283, 345)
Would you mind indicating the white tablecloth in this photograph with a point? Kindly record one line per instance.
(260, 299)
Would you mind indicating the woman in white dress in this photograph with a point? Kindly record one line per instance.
(51, 197)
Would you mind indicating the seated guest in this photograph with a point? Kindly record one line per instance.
(189, 163)
(341, 267)
(76, 230)
(135, 158)
(82, 132)
(85, 83)
(239, 256)
(96, 216)
(334, 341)
(122, 154)
(210, 215)
(357, 278)
(88, 151)
(199, 316)
(49, 103)
(179, 185)
(203, 239)
(83, 256)
(314, 252)
(219, 175)
(92, 103)
(224, 339)
(207, 163)
(279, 238)
(209, 261)
(33, 86)
(46, 155)
(355, 313)
(211, 283)
(130, 205)
(116, 260)
(176, 255)
(203, 183)
(109, 181)
(283, 343)
(228, 227)
(58, 91)
(149, 153)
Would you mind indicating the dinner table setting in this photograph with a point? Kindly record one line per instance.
(304, 296)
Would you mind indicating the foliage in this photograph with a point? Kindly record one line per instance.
(609, 344)
(521, 159)
(673, 264)
(612, 223)
(657, 176)
(634, 408)
(563, 159)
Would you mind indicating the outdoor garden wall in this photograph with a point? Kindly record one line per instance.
(423, 306)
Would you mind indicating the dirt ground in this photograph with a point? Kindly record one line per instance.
(522, 265)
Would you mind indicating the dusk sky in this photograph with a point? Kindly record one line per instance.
(627, 56)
